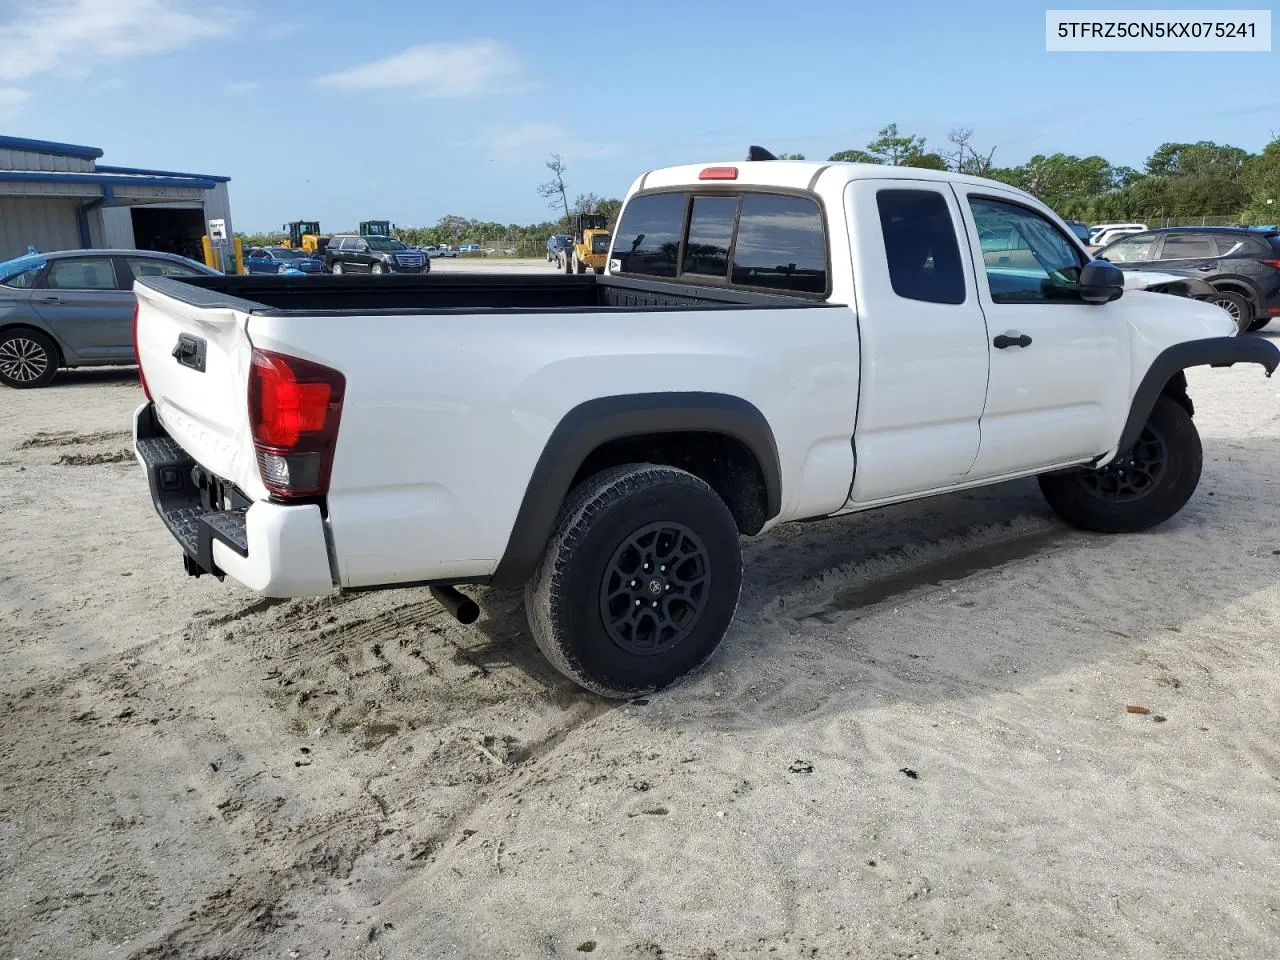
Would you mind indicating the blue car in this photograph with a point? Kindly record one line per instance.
(281, 260)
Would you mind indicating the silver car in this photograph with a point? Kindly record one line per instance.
(74, 308)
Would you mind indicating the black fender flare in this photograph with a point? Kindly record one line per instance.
(595, 422)
(1212, 351)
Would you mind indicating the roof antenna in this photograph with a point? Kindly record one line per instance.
(759, 153)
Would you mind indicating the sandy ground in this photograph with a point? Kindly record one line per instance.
(914, 741)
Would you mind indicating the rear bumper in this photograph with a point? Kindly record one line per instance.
(277, 550)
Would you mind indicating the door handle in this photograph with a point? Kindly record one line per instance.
(1003, 341)
(1206, 267)
(48, 299)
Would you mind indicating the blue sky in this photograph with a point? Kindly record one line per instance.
(408, 110)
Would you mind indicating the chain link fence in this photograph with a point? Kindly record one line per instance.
(1236, 220)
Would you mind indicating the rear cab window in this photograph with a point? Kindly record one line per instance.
(921, 248)
(750, 239)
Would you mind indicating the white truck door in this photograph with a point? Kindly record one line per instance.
(924, 345)
(1059, 381)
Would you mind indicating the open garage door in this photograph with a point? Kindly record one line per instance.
(169, 230)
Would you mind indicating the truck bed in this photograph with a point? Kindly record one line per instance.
(455, 293)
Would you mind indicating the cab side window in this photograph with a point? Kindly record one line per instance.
(920, 246)
(1026, 257)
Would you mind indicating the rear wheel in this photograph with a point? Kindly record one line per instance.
(28, 359)
(1144, 487)
(1238, 307)
(639, 582)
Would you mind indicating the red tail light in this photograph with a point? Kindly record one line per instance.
(294, 409)
(137, 357)
(1272, 263)
(718, 173)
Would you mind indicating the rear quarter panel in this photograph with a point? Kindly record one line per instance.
(445, 416)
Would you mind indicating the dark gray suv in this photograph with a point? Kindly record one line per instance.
(74, 308)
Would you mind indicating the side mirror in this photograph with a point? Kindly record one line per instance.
(1101, 282)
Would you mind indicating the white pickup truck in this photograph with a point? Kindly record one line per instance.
(772, 341)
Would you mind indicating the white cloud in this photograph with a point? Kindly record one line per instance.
(438, 70)
(241, 86)
(11, 100)
(69, 38)
(519, 141)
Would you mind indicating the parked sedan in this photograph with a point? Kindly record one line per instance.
(281, 260)
(1243, 265)
(74, 308)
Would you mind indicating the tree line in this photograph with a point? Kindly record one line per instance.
(1178, 180)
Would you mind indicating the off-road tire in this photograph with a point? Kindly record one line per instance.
(1079, 496)
(578, 627)
(28, 359)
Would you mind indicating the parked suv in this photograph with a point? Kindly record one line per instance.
(558, 243)
(1242, 264)
(376, 255)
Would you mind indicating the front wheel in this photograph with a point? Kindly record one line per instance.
(336, 269)
(28, 359)
(639, 582)
(578, 265)
(1259, 324)
(376, 269)
(1140, 489)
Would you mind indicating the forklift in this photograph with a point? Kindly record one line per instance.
(590, 250)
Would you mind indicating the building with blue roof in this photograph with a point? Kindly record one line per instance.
(57, 196)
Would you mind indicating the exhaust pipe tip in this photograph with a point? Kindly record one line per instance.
(458, 605)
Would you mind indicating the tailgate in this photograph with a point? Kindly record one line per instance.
(195, 359)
